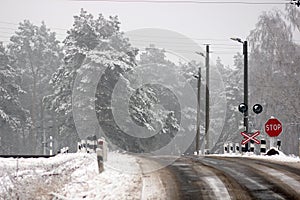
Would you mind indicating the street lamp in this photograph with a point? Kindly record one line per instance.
(296, 2)
(206, 96)
(198, 109)
(245, 53)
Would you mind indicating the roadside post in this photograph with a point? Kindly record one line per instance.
(243, 147)
(278, 144)
(100, 160)
(99, 152)
(263, 146)
(225, 147)
(237, 148)
(51, 145)
(231, 149)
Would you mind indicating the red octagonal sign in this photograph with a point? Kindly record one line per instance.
(273, 127)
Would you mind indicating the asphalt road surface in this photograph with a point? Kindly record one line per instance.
(224, 178)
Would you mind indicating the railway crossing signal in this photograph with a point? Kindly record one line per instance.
(257, 108)
(249, 137)
(243, 108)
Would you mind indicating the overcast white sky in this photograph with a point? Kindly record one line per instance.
(200, 22)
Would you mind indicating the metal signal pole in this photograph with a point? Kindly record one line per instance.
(245, 52)
(246, 118)
(198, 111)
(207, 99)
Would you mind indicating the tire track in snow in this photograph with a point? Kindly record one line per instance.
(293, 183)
(218, 187)
(152, 186)
(286, 176)
(198, 182)
(255, 181)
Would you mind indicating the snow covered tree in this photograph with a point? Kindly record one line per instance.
(14, 119)
(91, 43)
(293, 15)
(272, 65)
(160, 109)
(153, 55)
(233, 79)
(143, 108)
(37, 55)
(274, 69)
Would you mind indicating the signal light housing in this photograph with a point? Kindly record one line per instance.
(257, 108)
(243, 108)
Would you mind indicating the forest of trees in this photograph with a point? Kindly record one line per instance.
(38, 72)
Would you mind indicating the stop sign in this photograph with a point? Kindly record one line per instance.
(273, 127)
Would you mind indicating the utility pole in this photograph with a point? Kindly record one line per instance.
(245, 53)
(198, 111)
(246, 118)
(207, 99)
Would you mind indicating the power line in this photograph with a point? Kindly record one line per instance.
(7, 28)
(171, 43)
(138, 35)
(191, 2)
(178, 44)
(3, 36)
(274, 86)
(180, 38)
(13, 33)
(2, 22)
(6, 32)
(5, 22)
(147, 37)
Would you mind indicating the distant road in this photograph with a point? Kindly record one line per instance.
(221, 178)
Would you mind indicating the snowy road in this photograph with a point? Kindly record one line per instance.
(75, 176)
(235, 178)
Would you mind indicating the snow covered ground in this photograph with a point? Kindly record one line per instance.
(74, 176)
(279, 158)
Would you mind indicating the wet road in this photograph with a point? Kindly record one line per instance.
(232, 178)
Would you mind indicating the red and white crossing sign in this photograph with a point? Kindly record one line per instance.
(273, 127)
(249, 137)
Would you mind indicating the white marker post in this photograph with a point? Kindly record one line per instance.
(263, 146)
(231, 147)
(272, 141)
(237, 148)
(51, 145)
(99, 152)
(225, 148)
(100, 160)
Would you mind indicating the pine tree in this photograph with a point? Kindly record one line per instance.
(14, 119)
(94, 44)
(38, 55)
